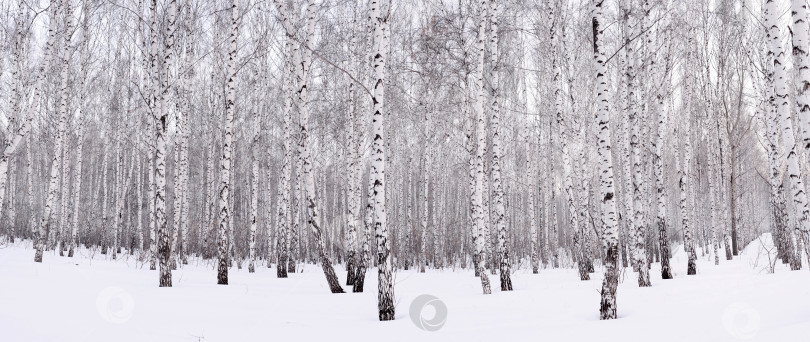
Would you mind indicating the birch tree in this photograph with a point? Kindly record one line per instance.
(13, 138)
(385, 293)
(780, 94)
(164, 247)
(223, 241)
(800, 35)
(610, 232)
(301, 65)
(56, 160)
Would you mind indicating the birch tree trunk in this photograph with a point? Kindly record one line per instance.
(480, 133)
(568, 181)
(801, 62)
(780, 219)
(178, 191)
(352, 164)
(302, 70)
(283, 230)
(531, 171)
(64, 196)
(365, 259)
(794, 170)
(497, 193)
(385, 290)
(610, 233)
(29, 168)
(661, 196)
(153, 96)
(139, 204)
(184, 162)
(684, 171)
(151, 208)
(104, 198)
(14, 103)
(13, 140)
(164, 245)
(368, 218)
(638, 222)
(473, 189)
(254, 210)
(56, 160)
(254, 194)
(77, 175)
(425, 178)
(118, 197)
(223, 242)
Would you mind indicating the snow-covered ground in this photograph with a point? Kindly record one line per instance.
(94, 299)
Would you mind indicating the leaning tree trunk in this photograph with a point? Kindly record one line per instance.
(302, 70)
(610, 233)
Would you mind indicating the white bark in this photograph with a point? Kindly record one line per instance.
(801, 62)
(385, 294)
(164, 248)
(254, 208)
(480, 133)
(352, 163)
(638, 221)
(794, 170)
(223, 241)
(497, 193)
(119, 195)
(283, 230)
(302, 64)
(610, 233)
(56, 160)
(13, 140)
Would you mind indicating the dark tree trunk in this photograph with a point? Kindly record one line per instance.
(607, 309)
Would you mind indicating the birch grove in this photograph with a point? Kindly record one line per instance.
(614, 139)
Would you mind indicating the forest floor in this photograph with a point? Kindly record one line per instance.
(90, 298)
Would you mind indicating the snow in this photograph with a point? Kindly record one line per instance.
(90, 298)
